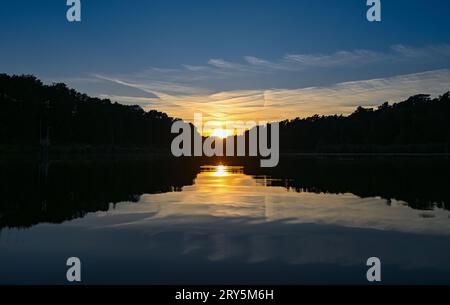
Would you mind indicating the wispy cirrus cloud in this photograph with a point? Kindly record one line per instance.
(436, 51)
(289, 71)
(223, 64)
(293, 85)
(280, 104)
(397, 53)
(153, 87)
(335, 59)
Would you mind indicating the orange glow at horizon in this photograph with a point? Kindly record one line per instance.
(221, 133)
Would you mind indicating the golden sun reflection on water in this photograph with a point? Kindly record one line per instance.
(221, 170)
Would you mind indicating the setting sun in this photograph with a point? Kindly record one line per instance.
(221, 133)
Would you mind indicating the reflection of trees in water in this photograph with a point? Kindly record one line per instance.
(422, 183)
(70, 190)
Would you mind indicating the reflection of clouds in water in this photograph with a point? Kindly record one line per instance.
(301, 244)
(232, 226)
(214, 250)
(226, 239)
(229, 216)
(226, 192)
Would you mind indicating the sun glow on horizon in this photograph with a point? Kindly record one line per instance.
(221, 133)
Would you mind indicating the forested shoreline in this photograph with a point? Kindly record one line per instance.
(33, 113)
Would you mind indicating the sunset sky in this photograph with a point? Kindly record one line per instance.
(233, 60)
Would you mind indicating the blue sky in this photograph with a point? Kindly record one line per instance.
(231, 57)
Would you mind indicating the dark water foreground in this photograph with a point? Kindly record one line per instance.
(308, 221)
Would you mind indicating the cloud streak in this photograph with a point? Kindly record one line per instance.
(295, 85)
(280, 104)
(290, 71)
(298, 62)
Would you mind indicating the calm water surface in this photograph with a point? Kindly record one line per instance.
(146, 224)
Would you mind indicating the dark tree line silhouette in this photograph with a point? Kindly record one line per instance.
(32, 111)
(420, 182)
(73, 189)
(419, 124)
(29, 110)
